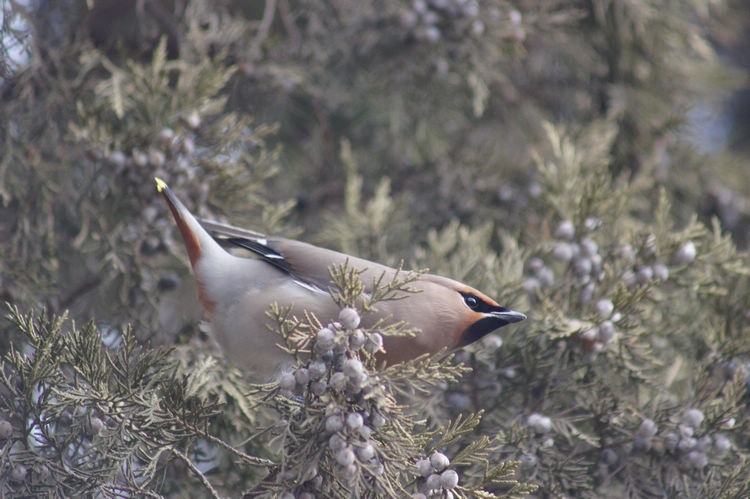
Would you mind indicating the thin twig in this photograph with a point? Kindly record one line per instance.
(286, 19)
(259, 461)
(134, 491)
(197, 473)
(265, 26)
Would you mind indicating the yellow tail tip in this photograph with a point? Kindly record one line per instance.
(160, 184)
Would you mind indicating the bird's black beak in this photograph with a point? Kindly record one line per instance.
(492, 320)
(505, 317)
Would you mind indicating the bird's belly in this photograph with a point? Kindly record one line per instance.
(241, 329)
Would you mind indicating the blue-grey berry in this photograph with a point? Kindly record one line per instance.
(429, 33)
(605, 308)
(374, 343)
(606, 332)
(596, 265)
(156, 158)
(319, 387)
(587, 292)
(627, 253)
(592, 223)
(644, 275)
(18, 473)
(377, 420)
(566, 230)
(324, 339)
(193, 120)
(661, 272)
(439, 461)
(582, 266)
(365, 431)
(540, 423)
(515, 17)
(287, 382)
(317, 369)
(354, 420)
(139, 158)
(407, 18)
(338, 381)
(334, 423)
(345, 457)
(704, 444)
(349, 318)
(356, 381)
(356, 339)
(118, 158)
(302, 376)
(693, 417)
(352, 367)
(534, 265)
(686, 253)
(187, 146)
(590, 334)
(336, 442)
(642, 443)
(546, 277)
(165, 136)
(366, 453)
(95, 426)
(459, 400)
(721, 445)
(6, 429)
(562, 252)
(686, 430)
(647, 428)
(430, 17)
(433, 482)
(687, 444)
(589, 248)
(697, 459)
(528, 460)
(531, 285)
(423, 467)
(448, 479)
(628, 277)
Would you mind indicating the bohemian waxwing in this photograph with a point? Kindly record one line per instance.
(238, 291)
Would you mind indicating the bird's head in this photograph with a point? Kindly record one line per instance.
(484, 316)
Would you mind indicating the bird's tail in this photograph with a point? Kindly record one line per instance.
(198, 242)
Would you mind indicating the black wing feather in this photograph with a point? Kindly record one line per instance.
(265, 252)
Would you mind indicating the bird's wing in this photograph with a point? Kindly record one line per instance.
(304, 262)
(222, 230)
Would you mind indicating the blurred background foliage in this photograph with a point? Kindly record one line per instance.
(584, 162)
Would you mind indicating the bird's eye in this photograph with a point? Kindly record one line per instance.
(471, 301)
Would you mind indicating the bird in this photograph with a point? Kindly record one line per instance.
(237, 291)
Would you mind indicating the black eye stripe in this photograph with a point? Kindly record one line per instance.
(473, 302)
(478, 305)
